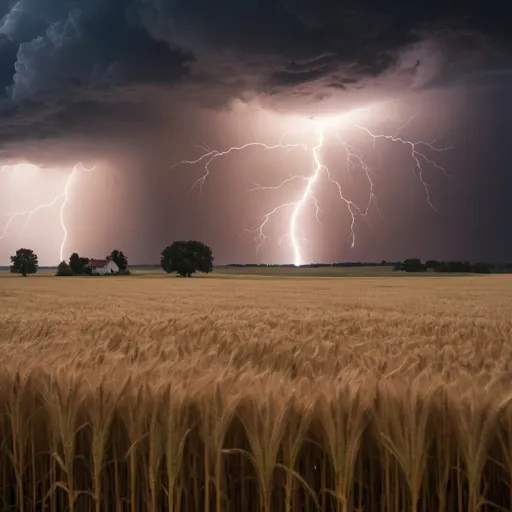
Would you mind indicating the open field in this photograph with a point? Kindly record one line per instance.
(247, 272)
(370, 271)
(274, 272)
(153, 393)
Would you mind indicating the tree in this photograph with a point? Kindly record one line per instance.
(119, 259)
(78, 263)
(481, 268)
(187, 257)
(84, 261)
(24, 262)
(413, 265)
(64, 269)
(430, 264)
(75, 264)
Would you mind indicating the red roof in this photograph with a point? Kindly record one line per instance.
(98, 263)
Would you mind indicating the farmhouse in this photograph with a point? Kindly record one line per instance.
(103, 267)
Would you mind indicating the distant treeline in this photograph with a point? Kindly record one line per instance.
(480, 267)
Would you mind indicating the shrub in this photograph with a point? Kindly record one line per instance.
(64, 269)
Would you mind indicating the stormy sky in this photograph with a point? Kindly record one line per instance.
(134, 86)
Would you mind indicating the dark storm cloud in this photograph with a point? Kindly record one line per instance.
(362, 38)
(8, 50)
(61, 61)
(88, 43)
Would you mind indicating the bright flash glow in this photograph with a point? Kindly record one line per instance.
(319, 129)
(62, 198)
(318, 166)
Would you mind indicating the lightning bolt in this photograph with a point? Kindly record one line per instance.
(355, 159)
(317, 168)
(211, 155)
(62, 197)
(417, 155)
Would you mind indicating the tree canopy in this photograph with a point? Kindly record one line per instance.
(119, 259)
(63, 269)
(24, 262)
(78, 263)
(186, 258)
(411, 265)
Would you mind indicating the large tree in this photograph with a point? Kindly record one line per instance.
(186, 258)
(119, 259)
(24, 262)
(78, 263)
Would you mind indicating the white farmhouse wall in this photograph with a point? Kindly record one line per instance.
(110, 268)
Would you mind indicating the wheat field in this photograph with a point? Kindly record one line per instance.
(298, 394)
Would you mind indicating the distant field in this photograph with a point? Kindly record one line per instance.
(289, 272)
(225, 271)
(306, 272)
(256, 394)
(368, 271)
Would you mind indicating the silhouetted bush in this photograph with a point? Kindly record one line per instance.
(64, 269)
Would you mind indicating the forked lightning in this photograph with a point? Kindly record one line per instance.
(355, 159)
(62, 197)
(319, 130)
